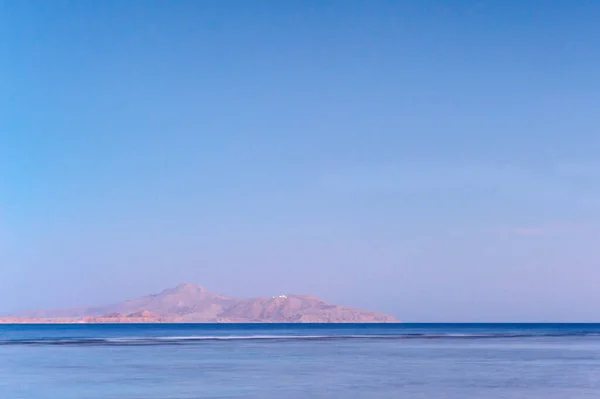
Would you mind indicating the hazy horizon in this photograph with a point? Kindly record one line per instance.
(435, 161)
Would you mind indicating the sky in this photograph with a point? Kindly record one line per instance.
(436, 160)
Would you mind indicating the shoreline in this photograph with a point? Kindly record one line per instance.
(79, 322)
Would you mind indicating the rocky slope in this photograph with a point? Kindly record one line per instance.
(194, 304)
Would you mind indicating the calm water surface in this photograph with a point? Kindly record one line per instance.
(300, 361)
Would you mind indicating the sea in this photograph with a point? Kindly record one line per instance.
(300, 361)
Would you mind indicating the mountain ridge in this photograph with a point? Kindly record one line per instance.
(192, 303)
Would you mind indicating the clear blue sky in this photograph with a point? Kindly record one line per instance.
(437, 160)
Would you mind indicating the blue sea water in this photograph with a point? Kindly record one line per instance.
(275, 361)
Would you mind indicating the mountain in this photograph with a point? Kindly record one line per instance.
(194, 304)
(299, 309)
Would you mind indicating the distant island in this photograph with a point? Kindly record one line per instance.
(190, 303)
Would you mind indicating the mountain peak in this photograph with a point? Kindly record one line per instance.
(190, 286)
(186, 287)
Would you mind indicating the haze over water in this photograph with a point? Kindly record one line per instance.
(410, 361)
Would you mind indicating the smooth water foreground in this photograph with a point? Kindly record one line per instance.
(300, 361)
